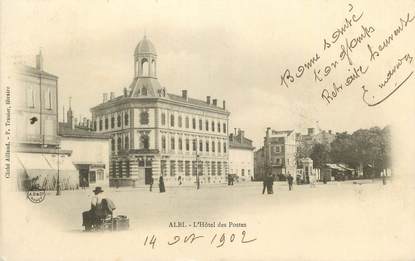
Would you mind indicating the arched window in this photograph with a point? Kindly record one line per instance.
(119, 143)
(194, 123)
(187, 122)
(200, 124)
(172, 120)
(144, 117)
(187, 145)
(106, 123)
(153, 67)
(224, 128)
(180, 144)
(213, 146)
(144, 67)
(179, 121)
(200, 145)
(173, 143)
(207, 125)
(213, 126)
(194, 145)
(218, 126)
(224, 147)
(163, 143)
(219, 147)
(126, 118)
(119, 120)
(112, 122)
(144, 91)
(207, 146)
(163, 119)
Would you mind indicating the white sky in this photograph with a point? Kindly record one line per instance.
(232, 50)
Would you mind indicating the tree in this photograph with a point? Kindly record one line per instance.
(320, 154)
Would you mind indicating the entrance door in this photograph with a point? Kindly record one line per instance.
(147, 175)
(83, 178)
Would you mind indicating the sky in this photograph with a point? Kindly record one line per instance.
(230, 50)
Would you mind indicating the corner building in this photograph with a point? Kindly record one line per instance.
(156, 133)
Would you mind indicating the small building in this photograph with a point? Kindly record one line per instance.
(90, 151)
(241, 156)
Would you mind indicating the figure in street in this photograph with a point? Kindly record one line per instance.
(290, 181)
(151, 183)
(270, 184)
(161, 185)
(264, 184)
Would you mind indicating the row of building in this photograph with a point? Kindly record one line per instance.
(130, 139)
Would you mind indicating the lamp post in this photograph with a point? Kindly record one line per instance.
(58, 189)
(197, 172)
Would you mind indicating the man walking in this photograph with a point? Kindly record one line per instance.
(290, 181)
(264, 184)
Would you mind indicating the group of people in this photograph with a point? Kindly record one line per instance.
(162, 188)
(268, 183)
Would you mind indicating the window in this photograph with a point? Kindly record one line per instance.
(179, 121)
(163, 119)
(200, 124)
(126, 118)
(224, 128)
(144, 117)
(224, 147)
(180, 166)
(213, 168)
(200, 168)
(119, 121)
(172, 168)
(194, 123)
(207, 146)
(95, 126)
(48, 99)
(163, 166)
(219, 147)
(213, 126)
(218, 126)
(126, 142)
(106, 123)
(207, 125)
(144, 91)
(187, 145)
(172, 120)
(277, 149)
(30, 97)
(100, 124)
(194, 168)
(127, 168)
(187, 168)
(200, 146)
(180, 144)
(249, 172)
(120, 168)
(112, 144)
(194, 144)
(243, 172)
(219, 168)
(141, 162)
(144, 142)
(187, 122)
(119, 143)
(112, 122)
(163, 143)
(172, 143)
(213, 146)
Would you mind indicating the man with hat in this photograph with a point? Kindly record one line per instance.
(99, 209)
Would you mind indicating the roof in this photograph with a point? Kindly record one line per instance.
(66, 131)
(240, 142)
(145, 46)
(192, 101)
(32, 70)
(287, 132)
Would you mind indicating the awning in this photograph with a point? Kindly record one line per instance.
(64, 162)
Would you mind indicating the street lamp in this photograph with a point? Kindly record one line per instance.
(58, 189)
(197, 172)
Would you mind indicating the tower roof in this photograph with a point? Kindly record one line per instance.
(145, 46)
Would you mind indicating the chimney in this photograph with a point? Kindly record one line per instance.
(184, 94)
(125, 92)
(208, 99)
(39, 61)
(104, 97)
(215, 102)
(112, 95)
(224, 104)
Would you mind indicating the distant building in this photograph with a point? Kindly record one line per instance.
(35, 141)
(90, 151)
(241, 156)
(156, 133)
(278, 155)
(259, 164)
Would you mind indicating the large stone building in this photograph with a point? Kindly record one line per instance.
(158, 133)
(241, 156)
(37, 155)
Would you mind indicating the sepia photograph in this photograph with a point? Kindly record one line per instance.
(207, 130)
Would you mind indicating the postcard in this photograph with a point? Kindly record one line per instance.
(207, 130)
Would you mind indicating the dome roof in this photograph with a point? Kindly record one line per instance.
(145, 46)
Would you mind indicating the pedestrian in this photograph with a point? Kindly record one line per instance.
(83, 183)
(383, 177)
(151, 183)
(161, 185)
(270, 184)
(264, 184)
(229, 179)
(180, 180)
(290, 181)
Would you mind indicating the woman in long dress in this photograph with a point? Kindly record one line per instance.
(161, 185)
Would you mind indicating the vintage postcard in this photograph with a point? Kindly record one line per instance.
(207, 130)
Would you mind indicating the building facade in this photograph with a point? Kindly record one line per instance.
(155, 133)
(37, 155)
(278, 155)
(90, 151)
(241, 156)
